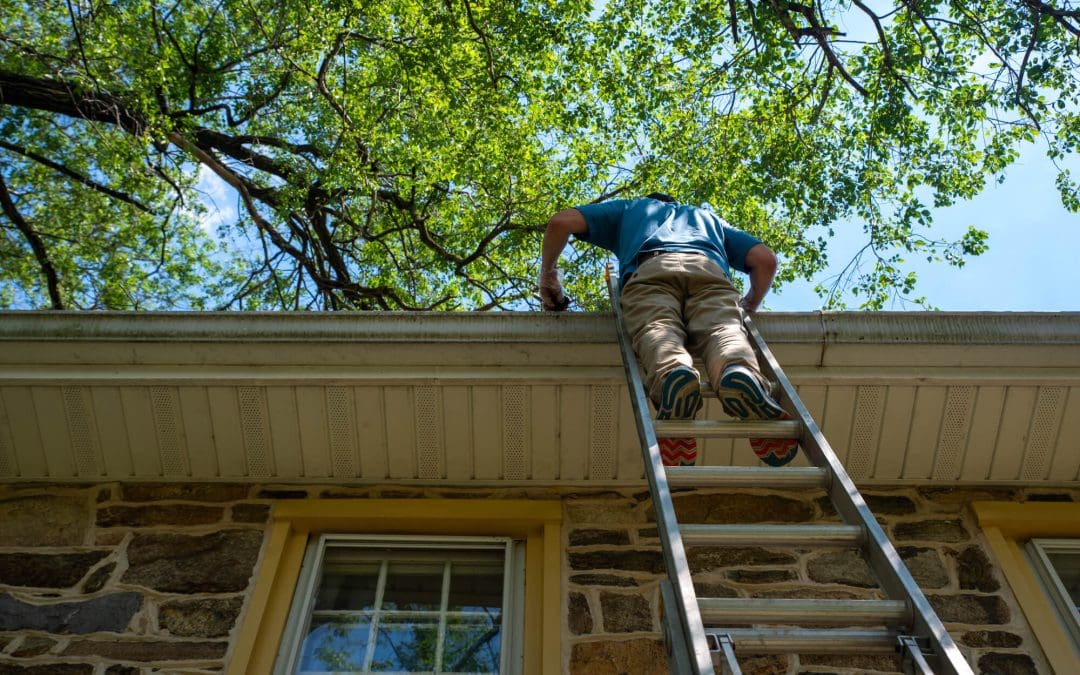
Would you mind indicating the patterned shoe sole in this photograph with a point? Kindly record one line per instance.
(680, 396)
(750, 400)
(775, 451)
(678, 451)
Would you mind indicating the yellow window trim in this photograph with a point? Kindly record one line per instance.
(1007, 526)
(537, 522)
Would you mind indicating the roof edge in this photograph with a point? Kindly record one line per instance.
(993, 328)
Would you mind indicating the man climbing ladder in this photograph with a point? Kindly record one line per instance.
(678, 301)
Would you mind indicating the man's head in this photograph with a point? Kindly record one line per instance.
(661, 197)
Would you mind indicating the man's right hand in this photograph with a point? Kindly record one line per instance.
(551, 291)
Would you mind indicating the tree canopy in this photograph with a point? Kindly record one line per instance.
(399, 154)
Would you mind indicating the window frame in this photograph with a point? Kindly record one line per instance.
(1008, 527)
(1037, 549)
(536, 522)
(302, 611)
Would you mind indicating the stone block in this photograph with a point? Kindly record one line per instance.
(740, 508)
(220, 562)
(47, 669)
(765, 664)
(158, 514)
(859, 663)
(612, 512)
(640, 656)
(626, 560)
(579, 619)
(707, 589)
(925, 566)
(958, 497)
(1049, 497)
(1007, 664)
(602, 580)
(193, 492)
(818, 593)
(841, 567)
(147, 651)
(648, 533)
(270, 493)
(109, 613)
(354, 493)
(97, 580)
(761, 576)
(624, 613)
(971, 609)
(202, 617)
(32, 645)
(948, 531)
(707, 558)
(46, 570)
(251, 513)
(44, 521)
(991, 638)
(890, 505)
(593, 537)
(975, 571)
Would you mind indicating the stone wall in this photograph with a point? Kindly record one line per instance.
(122, 579)
(614, 565)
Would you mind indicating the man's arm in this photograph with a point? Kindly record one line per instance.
(761, 266)
(559, 228)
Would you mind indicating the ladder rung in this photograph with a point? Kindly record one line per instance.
(772, 535)
(803, 611)
(718, 429)
(747, 476)
(807, 640)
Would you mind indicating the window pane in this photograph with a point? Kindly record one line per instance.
(1067, 566)
(472, 646)
(414, 586)
(476, 586)
(335, 644)
(347, 585)
(405, 645)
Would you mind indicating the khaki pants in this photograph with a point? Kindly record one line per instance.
(676, 305)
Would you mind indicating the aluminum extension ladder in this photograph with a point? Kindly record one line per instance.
(694, 627)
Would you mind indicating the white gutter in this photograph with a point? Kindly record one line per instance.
(939, 328)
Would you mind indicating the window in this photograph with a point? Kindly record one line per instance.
(1018, 534)
(406, 605)
(1057, 563)
(344, 545)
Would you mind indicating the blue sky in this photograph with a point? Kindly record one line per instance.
(1033, 263)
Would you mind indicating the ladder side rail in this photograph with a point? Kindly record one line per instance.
(696, 645)
(884, 559)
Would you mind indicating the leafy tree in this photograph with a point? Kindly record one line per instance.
(397, 154)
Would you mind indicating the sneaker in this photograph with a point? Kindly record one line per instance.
(742, 395)
(680, 399)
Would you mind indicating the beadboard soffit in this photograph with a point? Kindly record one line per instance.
(508, 398)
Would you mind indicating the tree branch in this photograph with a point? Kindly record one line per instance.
(68, 98)
(75, 176)
(52, 281)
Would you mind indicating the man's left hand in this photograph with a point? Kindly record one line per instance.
(551, 291)
(747, 304)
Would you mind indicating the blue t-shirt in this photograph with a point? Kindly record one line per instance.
(627, 227)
